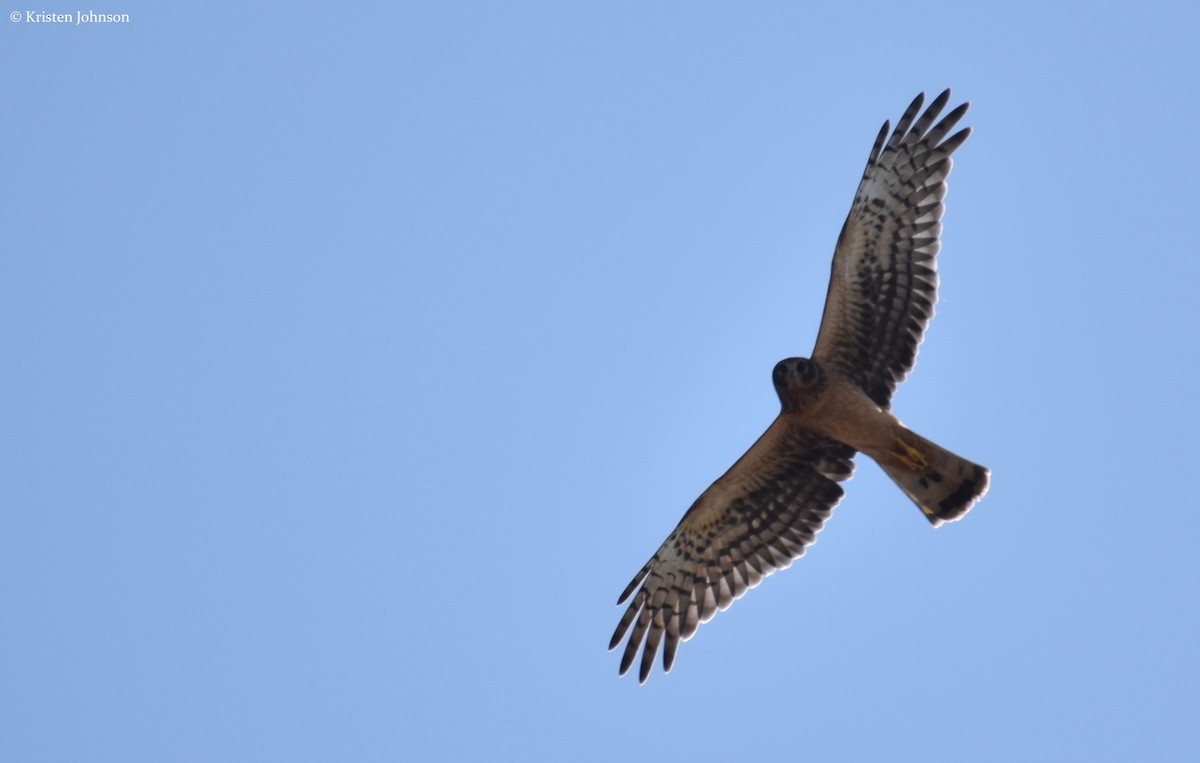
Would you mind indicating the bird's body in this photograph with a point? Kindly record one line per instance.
(944, 486)
(766, 510)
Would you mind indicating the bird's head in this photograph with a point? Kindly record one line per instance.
(796, 380)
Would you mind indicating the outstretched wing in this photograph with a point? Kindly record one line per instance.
(884, 279)
(755, 519)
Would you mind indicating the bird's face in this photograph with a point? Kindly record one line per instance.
(796, 381)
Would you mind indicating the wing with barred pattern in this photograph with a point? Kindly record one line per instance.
(884, 280)
(758, 517)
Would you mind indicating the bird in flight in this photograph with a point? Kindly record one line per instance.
(767, 509)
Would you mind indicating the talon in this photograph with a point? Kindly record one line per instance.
(910, 456)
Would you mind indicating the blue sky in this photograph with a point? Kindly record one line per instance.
(356, 358)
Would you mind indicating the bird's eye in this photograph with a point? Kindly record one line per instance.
(807, 371)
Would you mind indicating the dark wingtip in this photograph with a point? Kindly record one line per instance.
(956, 113)
(626, 662)
(669, 652)
(944, 96)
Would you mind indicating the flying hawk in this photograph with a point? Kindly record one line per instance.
(767, 509)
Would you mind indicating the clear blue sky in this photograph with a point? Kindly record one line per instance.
(355, 357)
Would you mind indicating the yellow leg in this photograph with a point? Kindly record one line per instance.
(909, 456)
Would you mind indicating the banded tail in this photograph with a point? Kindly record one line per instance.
(943, 485)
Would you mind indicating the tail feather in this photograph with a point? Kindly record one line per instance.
(943, 485)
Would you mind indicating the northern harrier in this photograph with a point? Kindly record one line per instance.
(764, 512)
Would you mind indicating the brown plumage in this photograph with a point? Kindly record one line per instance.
(767, 509)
